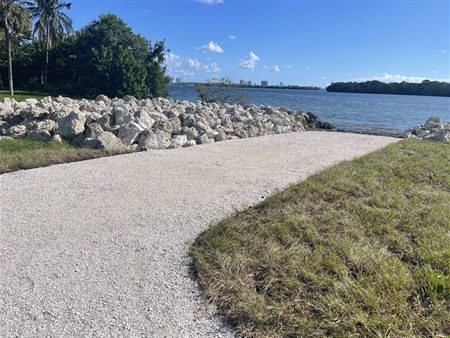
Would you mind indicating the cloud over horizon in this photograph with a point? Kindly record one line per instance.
(249, 62)
(210, 2)
(212, 68)
(178, 66)
(275, 68)
(385, 77)
(210, 47)
(193, 63)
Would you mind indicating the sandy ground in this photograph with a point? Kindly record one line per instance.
(99, 248)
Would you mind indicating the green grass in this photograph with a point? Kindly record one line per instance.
(21, 95)
(359, 250)
(18, 154)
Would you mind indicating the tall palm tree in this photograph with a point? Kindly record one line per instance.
(50, 24)
(14, 19)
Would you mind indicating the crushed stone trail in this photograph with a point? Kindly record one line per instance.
(100, 248)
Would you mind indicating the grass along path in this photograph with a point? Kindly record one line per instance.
(359, 250)
(21, 95)
(18, 154)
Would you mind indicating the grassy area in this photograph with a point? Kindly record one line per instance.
(359, 250)
(17, 154)
(21, 95)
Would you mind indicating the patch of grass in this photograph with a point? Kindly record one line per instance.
(21, 95)
(18, 154)
(361, 249)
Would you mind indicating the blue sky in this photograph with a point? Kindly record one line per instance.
(301, 42)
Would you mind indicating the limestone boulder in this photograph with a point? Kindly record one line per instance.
(154, 139)
(129, 133)
(72, 125)
(38, 134)
(104, 140)
(178, 141)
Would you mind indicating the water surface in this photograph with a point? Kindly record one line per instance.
(371, 112)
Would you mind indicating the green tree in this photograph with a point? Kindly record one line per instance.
(14, 20)
(108, 52)
(51, 23)
(157, 80)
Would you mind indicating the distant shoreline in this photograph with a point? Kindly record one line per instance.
(425, 88)
(252, 86)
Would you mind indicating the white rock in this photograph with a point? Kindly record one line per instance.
(72, 125)
(178, 141)
(154, 139)
(129, 133)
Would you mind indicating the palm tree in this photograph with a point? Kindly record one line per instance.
(14, 19)
(50, 24)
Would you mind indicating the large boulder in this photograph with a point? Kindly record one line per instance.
(142, 118)
(178, 141)
(129, 133)
(154, 139)
(72, 125)
(99, 139)
(38, 134)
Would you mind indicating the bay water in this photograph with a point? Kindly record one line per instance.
(348, 111)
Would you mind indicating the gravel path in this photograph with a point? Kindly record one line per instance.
(99, 248)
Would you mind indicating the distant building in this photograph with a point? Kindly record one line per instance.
(245, 83)
(176, 80)
(264, 83)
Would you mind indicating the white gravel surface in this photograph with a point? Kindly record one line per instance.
(99, 248)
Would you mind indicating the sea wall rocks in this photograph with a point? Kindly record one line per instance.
(433, 129)
(106, 123)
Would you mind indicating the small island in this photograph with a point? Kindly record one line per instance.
(426, 87)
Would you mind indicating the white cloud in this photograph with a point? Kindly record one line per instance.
(385, 77)
(210, 47)
(178, 66)
(289, 66)
(232, 37)
(273, 69)
(250, 61)
(212, 68)
(307, 68)
(173, 61)
(193, 63)
(444, 51)
(210, 2)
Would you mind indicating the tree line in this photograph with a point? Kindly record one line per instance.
(40, 50)
(426, 87)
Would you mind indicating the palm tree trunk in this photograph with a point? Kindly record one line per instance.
(8, 51)
(1, 81)
(47, 48)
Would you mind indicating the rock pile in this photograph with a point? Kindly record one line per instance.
(433, 129)
(106, 123)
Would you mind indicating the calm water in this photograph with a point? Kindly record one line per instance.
(374, 112)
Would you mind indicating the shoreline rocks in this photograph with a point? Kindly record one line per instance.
(159, 123)
(433, 129)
